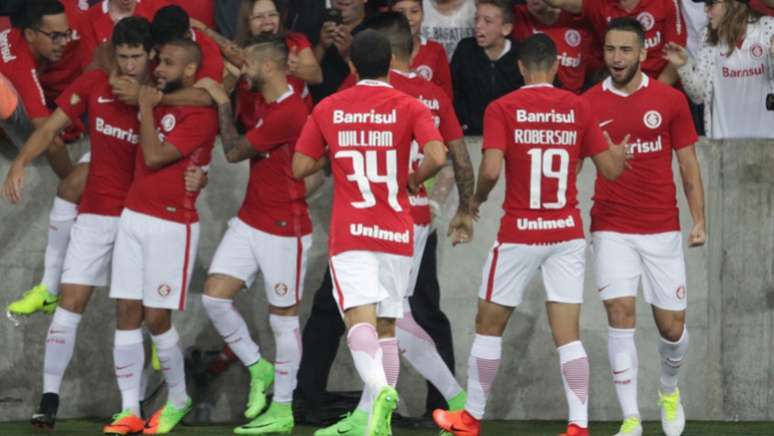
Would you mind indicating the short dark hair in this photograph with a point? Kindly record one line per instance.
(538, 52)
(392, 3)
(272, 45)
(396, 28)
(191, 48)
(504, 6)
(133, 31)
(34, 11)
(169, 23)
(371, 54)
(628, 24)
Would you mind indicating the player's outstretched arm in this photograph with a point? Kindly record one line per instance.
(693, 187)
(571, 6)
(488, 174)
(612, 162)
(156, 153)
(37, 144)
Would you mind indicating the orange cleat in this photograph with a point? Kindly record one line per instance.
(458, 423)
(124, 423)
(574, 430)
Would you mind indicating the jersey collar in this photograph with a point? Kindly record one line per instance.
(286, 95)
(607, 85)
(409, 75)
(371, 82)
(506, 48)
(538, 85)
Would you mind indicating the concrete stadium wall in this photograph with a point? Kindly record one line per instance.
(729, 374)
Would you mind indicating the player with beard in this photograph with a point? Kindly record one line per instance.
(272, 233)
(542, 134)
(367, 132)
(114, 138)
(158, 234)
(635, 222)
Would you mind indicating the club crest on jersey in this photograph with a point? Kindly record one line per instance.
(168, 123)
(425, 72)
(647, 20)
(652, 119)
(572, 37)
(680, 293)
(757, 50)
(164, 290)
(75, 99)
(281, 289)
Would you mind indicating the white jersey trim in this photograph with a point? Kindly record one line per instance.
(607, 85)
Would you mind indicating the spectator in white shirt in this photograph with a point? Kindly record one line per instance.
(448, 21)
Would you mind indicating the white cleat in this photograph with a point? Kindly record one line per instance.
(672, 413)
(630, 427)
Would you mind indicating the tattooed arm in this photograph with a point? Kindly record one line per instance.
(463, 172)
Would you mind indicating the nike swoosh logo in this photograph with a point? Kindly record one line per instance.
(620, 372)
(604, 123)
(119, 368)
(603, 288)
(104, 100)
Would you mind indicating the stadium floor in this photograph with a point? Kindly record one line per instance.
(491, 428)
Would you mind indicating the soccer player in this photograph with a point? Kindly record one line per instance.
(114, 138)
(635, 223)
(368, 131)
(542, 134)
(413, 341)
(158, 234)
(272, 233)
(661, 20)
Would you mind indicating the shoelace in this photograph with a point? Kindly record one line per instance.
(670, 406)
(629, 425)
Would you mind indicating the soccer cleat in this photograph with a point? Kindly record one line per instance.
(277, 420)
(672, 413)
(45, 416)
(630, 427)
(384, 404)
(166, 418)
(458, 423)
(155, 362)
(124, 423)
(353, 424)
(458, 401)
(37, 299)
(261, 377)
(575, 430)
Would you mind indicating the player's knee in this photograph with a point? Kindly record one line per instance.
(385, 327)
(673, 330)
(71, 187)
(73, 303)
(129, 314)
(620, 314)
(157, 322)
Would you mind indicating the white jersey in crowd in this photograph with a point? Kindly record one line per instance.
(696, 21)
(448, 30)
(734, 87)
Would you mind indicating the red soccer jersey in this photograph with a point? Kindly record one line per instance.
(18, 65)
(212, 62)
(202, 10)
(114, 139)
(368, 130)
(98, 25)
(432, 64)
(275, 201)
(161, 193)
(57, 77)
(572, 38)
(658, 120)
(661, 20)
(543, 132)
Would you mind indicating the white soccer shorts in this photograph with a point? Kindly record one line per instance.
(369, 277)
(620, 260)
(153, 260)
(421, 233)
(245, 250)
(90, 250)
(510, 267)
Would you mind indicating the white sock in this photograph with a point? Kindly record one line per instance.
(624, 364)
(420, 351)
(287, 338)
(391, 363)
(172, 366)
(672, 355)
(575, 377)
(363, 343)
(230, 324)
(129, 360)
(60, 344)
(483, 363)
(61, 220)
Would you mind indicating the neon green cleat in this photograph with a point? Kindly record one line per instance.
(381, 412)
(672, 413)
(155, 362)
(457, 402)
(261, 377)
(630, 427)
(277, 420)
(166, 418)
(37, 299)
(353, 424)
